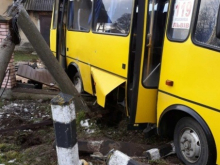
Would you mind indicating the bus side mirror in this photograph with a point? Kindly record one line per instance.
(218, 25)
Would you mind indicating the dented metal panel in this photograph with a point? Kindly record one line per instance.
(104, 84)
(40, 75)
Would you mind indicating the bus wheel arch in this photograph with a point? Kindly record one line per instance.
(75, 76)
(172, 121)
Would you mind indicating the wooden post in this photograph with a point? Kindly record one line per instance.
(45, 54)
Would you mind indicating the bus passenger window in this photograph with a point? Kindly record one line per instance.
(79, 15)
(111, 16)
(205, 32)
(180, 19)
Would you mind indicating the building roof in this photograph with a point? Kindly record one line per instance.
(39, 5)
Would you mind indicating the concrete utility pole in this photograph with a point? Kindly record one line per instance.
(45, 54)
(64, 119)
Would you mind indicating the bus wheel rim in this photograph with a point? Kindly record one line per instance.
(78, 84)
(190, 145)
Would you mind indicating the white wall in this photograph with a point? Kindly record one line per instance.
(4, 5)
(25, 45)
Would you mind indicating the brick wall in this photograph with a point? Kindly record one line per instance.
(3, 31)
(10, 79)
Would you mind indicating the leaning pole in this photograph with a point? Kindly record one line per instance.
(45, 54)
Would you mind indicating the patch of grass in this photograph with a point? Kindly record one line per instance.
(4, 147)
(10, 155)
(158, 162)
(41, 154)
(8, 152)
(23, 56)
(81, 115)
(48, 110)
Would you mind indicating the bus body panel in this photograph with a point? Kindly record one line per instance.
(53, 38)
(208, 115)
(53, 32)
(146, 106)
(194, 72)
(85, 72)
(104, 83)
(107, 52)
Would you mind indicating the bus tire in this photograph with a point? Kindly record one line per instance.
(77, 82)
(191, 144)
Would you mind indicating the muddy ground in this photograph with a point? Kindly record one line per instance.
(28, 135)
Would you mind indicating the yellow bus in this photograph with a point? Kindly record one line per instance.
(158, 58)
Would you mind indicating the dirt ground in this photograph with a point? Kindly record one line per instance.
(27, 134)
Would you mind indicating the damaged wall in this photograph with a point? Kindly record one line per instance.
(10, 79)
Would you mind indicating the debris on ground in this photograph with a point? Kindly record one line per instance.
(27, 134)
(35, 144)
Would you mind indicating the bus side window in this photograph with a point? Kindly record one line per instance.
(205, 31)
(70, 15)
(79, 15)
(111, 16)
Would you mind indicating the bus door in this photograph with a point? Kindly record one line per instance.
(58, 31)
(144, 60)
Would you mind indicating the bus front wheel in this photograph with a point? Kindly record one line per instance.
(77, 82)
(191, 143)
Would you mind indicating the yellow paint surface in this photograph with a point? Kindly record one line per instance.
(85, 71)
(53, 38)
(103, 51)
(146, 105)
(104, 84)
(194, 71)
